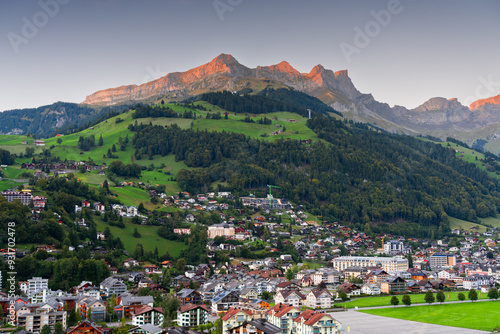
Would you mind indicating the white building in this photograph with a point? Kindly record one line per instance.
(389, 264)
(37, 284)
(220, 230)
(393, 247)
(476, 282)
(319, 299)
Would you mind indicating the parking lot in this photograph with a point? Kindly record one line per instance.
(361, 323)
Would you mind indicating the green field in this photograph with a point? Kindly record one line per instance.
(465, 225)
(165, 168)
(493, 221)
(481, 316)
(149, 238)
(415, 299)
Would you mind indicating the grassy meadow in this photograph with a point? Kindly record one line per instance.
(480, 316)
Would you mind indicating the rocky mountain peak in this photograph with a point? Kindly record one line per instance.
(494, 100)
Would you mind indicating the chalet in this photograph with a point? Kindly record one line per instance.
(99, 207)
(257, 326)
(128, 263)
(293, 298)
(149, 269)
(393, 285)
(39, 142)
(371, 289)
(85, 204)
(350, 289)
(189, 296)
(224, 300)
(86, 326)
(235, 317)
(319, 299)
(314, 322)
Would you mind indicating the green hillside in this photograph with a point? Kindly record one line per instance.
(350, 172)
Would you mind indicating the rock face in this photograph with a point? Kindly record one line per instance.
(223, 72)
(435, 116)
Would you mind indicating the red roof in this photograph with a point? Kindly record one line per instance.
(146, 309)
(189, 307)
(310, 317)
(233, 311)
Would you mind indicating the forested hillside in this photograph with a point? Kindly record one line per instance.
(267, 101)
(355, 175)
(51, 119)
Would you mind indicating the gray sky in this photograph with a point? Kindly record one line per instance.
(403, 52)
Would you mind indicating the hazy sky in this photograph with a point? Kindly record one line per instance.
(403, 52)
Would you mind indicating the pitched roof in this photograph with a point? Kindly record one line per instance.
(310, 317)
(318, 292)
(189, 307)
(148, 309)
(232, 312)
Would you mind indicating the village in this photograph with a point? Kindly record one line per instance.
(299, 292)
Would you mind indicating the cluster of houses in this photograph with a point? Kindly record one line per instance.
(63, 167)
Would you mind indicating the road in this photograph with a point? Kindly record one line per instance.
(361, 323)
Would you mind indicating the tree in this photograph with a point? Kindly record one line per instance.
(58, 328)
(472, 295)
(100, 142)
(440, 297)
(461, 296)
(267, 295)
(73, 318)
(136, 233)
(166, 279)
(343, 296)
(141, 208)
(429, 297)
(289, 274)
(45, 329)
(406, 300)
(59, 140)
(218, 326)
(89, 314)
(181, 265)
(394, 301)
(1, 312)
(493, 293)
(410, 260)
(113, 148)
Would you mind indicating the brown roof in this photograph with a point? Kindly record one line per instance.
(148, 309)
(232, 311)
(285, 294)
(189, 307)
(318, 292)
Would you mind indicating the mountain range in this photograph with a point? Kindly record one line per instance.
(438, 116)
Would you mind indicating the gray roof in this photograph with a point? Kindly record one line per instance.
(150, 328)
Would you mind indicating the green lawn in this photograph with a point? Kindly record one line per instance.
(149, 238)
(5, 185)
(481, 316)
(415, 299)
(465, 225)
